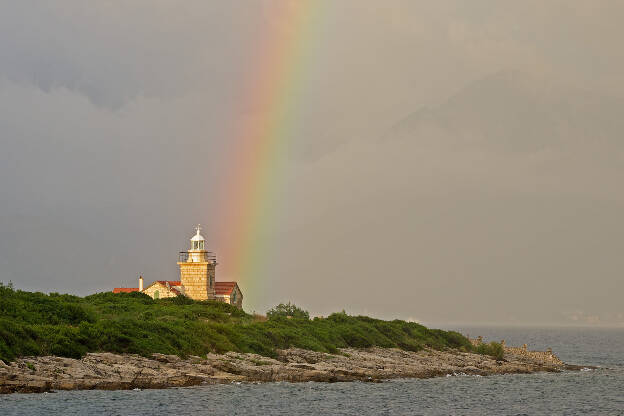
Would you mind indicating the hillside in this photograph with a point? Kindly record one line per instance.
(36, 324)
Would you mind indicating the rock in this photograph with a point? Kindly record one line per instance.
(166, 358)
(305, 366)
(108, 371)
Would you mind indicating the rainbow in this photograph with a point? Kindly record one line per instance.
(249, 203)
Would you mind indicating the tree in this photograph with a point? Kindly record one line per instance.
(287, 310)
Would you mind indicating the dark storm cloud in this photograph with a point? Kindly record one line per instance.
(450, 159)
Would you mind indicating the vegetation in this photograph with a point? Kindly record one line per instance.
(493, 348)
(288, 311)
(70, 326)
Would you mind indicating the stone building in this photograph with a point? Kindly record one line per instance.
(197, 278)
(161, 289)
(229, 292)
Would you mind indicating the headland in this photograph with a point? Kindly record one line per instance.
(130, 340)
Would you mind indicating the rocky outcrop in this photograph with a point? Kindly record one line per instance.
(108, 371)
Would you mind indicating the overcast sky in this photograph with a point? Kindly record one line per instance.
(453, 161)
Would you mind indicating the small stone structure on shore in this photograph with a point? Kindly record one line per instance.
(523, 352)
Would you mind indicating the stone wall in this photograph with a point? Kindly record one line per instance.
(238, 298)
(545, 356)
(523, 352)
(198, 280)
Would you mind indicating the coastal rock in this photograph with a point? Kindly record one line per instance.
(107, 371)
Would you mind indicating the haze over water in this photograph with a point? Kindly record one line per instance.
(595, 392)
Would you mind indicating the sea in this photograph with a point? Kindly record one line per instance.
(589, 392)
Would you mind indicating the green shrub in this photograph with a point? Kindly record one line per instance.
(70, 326)
(287, 310)
(493, 349)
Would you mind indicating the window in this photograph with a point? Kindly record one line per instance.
(156, 295)
(200, 245)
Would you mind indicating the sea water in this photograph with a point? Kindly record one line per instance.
(590, 392)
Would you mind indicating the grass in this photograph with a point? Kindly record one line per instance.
(33, 324)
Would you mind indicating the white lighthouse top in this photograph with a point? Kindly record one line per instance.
(198, 241)
(198, 236)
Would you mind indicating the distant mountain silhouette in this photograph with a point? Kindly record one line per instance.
(512, 111)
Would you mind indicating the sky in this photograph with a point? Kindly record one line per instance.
(443, 162)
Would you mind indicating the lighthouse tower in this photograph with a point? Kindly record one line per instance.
(197, 269)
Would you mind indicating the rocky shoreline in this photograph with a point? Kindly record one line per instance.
(108, 371)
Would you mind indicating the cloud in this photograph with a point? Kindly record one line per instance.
(447, 160)
(498, 199)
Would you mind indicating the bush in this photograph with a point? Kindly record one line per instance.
(70, 326)
(182, 300)
(493, 349)
(289, 311)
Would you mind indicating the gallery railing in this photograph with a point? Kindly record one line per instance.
(208, 256)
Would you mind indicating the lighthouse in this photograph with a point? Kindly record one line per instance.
(197, 278)
(197, 269)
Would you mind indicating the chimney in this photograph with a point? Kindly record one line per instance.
(140, 283)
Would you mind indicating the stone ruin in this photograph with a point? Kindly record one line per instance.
(523, 352)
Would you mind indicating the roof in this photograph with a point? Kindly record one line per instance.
(125, 289)
(198, 236)
(224, 288)
(171, 282)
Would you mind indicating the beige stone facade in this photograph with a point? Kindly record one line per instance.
(160, 290)
(198, 279)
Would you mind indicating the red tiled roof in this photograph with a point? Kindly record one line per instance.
(125, 289)
(224, 288)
